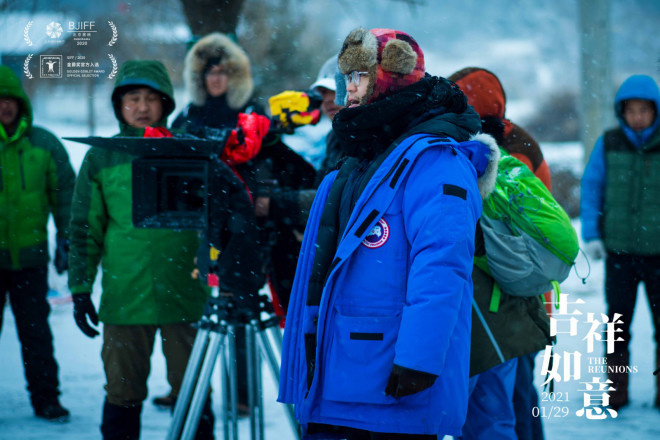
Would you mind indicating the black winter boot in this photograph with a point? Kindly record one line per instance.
(121, 422)
(50, 409)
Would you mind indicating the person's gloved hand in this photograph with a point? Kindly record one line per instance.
(244, 143)
(595, 249)
(82, 309)
(62, 255)
(404, 381)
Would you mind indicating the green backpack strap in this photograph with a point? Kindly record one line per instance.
(495, 297)
(557, 289)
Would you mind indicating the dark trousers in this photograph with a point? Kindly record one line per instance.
(127, 353)
(27, 290)
(623, 273)
(525, 397)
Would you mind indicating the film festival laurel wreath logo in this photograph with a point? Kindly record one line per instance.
(80, 35)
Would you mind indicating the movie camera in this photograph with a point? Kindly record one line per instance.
(181, 182)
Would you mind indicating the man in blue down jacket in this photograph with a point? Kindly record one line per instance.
(377, 341)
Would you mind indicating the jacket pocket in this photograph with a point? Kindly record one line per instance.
(360, 359)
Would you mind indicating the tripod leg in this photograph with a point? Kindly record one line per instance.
(276, 333)
(275, 370)
(270, 357)
(259, 382)
(224, 376)
(201, 390)
(254, 383)
(189, 379)
(230, 383)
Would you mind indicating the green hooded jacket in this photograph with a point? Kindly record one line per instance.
(146, 273)
(36, 179)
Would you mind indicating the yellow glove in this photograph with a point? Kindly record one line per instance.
(294, 108)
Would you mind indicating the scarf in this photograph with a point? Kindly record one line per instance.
(366, 131)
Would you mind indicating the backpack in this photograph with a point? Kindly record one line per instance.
(529, 241)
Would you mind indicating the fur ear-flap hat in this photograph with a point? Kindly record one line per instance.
(218, 49)
(393, 59)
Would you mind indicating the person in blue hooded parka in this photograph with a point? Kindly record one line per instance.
(377, 340)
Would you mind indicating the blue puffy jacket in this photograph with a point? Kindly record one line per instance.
(593, 179)
(399, 292)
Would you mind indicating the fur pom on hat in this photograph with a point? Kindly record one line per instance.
(393, 59)
(218, 49)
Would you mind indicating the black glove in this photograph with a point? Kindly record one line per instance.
(83, 308)
(404, 381)
(62, 255)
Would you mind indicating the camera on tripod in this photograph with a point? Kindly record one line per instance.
(185, 182)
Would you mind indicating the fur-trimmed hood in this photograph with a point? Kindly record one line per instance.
(486, 181)
(233, 58)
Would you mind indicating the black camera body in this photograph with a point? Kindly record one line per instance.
(170, 193)
(171, 178)
(181, 183)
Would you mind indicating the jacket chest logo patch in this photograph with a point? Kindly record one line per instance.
(378, 235)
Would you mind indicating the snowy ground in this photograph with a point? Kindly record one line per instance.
(82, 378)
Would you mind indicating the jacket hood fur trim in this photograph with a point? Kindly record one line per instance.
(486, 182)
(233, 58)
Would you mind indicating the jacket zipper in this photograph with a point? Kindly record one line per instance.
(20, 165)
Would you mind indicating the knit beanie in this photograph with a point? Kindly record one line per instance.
(393, 59)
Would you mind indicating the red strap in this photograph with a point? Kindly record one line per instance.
(157, 132)
(277, 305)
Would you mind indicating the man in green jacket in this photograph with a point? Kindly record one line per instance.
(36, 179)
(147, 285)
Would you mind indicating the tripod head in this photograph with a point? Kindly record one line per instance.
(241, 310)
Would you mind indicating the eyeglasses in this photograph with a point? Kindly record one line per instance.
(354, 77)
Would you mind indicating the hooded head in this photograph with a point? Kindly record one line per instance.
(10, 86)
(486, 94)
(392, 58)
(638, 87)
(217, 49)
(483, 90)
(143, 73)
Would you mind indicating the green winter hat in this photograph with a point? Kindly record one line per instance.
(143, 73)
(10, 85)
